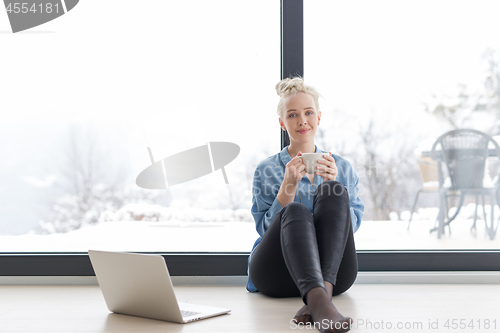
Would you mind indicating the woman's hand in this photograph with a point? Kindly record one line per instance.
(294, 171)
(327, 168)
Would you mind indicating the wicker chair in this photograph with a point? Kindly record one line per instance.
(464, 152)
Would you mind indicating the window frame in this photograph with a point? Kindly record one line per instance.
(235, 264)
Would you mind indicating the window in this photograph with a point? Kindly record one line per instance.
(86, 95)
(394, 76)
(56, 103)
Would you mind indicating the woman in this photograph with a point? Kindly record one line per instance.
(305, 221)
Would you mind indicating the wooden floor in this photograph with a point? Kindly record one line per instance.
(375, 307)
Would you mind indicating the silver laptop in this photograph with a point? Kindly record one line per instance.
(140, 285)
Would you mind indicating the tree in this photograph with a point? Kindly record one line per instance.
(382, 156)
(453, 110)
(489, 100)
(388, 165)
(474, 106)
(90, 180)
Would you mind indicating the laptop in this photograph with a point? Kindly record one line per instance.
(140, 285)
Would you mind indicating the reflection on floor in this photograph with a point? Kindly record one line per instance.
(374, 308)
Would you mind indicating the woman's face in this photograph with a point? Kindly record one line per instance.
(300, 117)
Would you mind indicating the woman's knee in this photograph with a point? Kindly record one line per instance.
(296, 211)
(343, 285)
(334, 189)
(295, 207)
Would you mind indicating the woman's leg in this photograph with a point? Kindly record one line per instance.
(345, 277)
(296, 247)
(268, 267)
(348, 270)
(294, 232)
(332, 218)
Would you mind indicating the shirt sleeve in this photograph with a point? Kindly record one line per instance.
(265, 206)
(357, 206)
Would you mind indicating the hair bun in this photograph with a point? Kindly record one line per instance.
(289, 86)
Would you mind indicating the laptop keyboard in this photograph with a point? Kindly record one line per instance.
(186, 313)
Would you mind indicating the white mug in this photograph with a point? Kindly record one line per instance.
(311, 161)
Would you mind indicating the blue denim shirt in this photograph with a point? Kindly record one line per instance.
(267, 181)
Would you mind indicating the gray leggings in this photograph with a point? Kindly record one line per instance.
(300, 250)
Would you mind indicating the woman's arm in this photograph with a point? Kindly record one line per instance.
(269, 196)
(294, 171)
(265, 205)
(286, 194)
(357, 206)
(264, 212)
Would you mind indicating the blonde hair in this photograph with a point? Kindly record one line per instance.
(288, 87)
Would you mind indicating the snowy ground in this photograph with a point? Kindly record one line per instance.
(182, 236)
